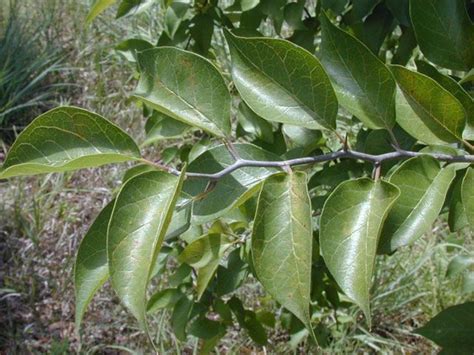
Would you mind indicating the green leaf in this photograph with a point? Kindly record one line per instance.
(141, 215)
(423, 185)
(130, 47)
(98, 7)
(242, 5)
(233, 189)
(468, 282)
(231, 277)
(67, 138)
(467, 195)
(254, 124)
(133, 7)
(205, 328)
(362, 8)
(204, 250)
(160, 126)
(174, 16)
(91, 269)
(456, 90)
(282, 82)
(163, 299)
(180, 317)
(426, 110)
(444, 32)
(452, 328)
(457, 218)
(186, 87)
(350, 226)
(282, 241)
(364, 86)
(303, 138)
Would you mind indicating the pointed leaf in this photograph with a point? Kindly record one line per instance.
(91, 269)
(282, 82)
(139, 221)
(233, 189)
(282, 241)
(364, 86)
(133, 7)
(452, 328)
(423, 187)
(456, 90)
(426, 110)
(467, 195)
(98, 7)
(351, 222)
(67, 138)
(444, 32)
(186, 87)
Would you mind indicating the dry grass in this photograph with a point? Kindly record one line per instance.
(42, 219)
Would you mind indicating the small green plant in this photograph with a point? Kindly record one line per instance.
(297, 169)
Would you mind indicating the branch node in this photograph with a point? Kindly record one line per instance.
(376, 173)
(233, 152)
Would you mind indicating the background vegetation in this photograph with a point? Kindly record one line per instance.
(42, 219)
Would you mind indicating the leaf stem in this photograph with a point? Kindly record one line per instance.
(399, 154)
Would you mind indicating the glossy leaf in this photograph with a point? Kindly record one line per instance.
(282, 240)
(233, 189)
(423, 185)
(452, 328)
(91, 269)
(444, 32)
(282, 82)
(456, 90)
(138, 225)
(160, 126)
(350, 226)
(67, 138)
(457, 218)
(364, 86)
(254, 124)
(186, 87)
(98, 7)
(467, 195)
(427, 111)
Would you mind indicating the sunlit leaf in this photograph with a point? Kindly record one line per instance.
(364, 86)
(186, 87)
(91, 269)
(98, 7)
(350, 227)
(282, 241)
(137, 227)
(423, 185)
(427, 111)
(282, 82)
(67, 138)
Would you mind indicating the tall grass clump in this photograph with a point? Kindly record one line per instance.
(29, 61)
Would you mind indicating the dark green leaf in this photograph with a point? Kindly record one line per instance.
(452, 328)
(243, 5)
(282, 82)
(201, 31)
(160, 126)
(467, 195)
(423, 185)
(136, 170)
(400, 9)
(186, 87)
(444, 32)
(362, 8)
(282, 240)
(255, 328)
(141, 215)
(205, 328)
(180, 317)
(174, 16)
(254, 124)
(406, 45)
(456, 90)
(457, 218)
(427, 111)
(350, 227)
(364, 86)
(67, 138)
(163, 299)
(91, 269)
(303, 137)
(130, 47)
(233, 189)
(231, 277)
